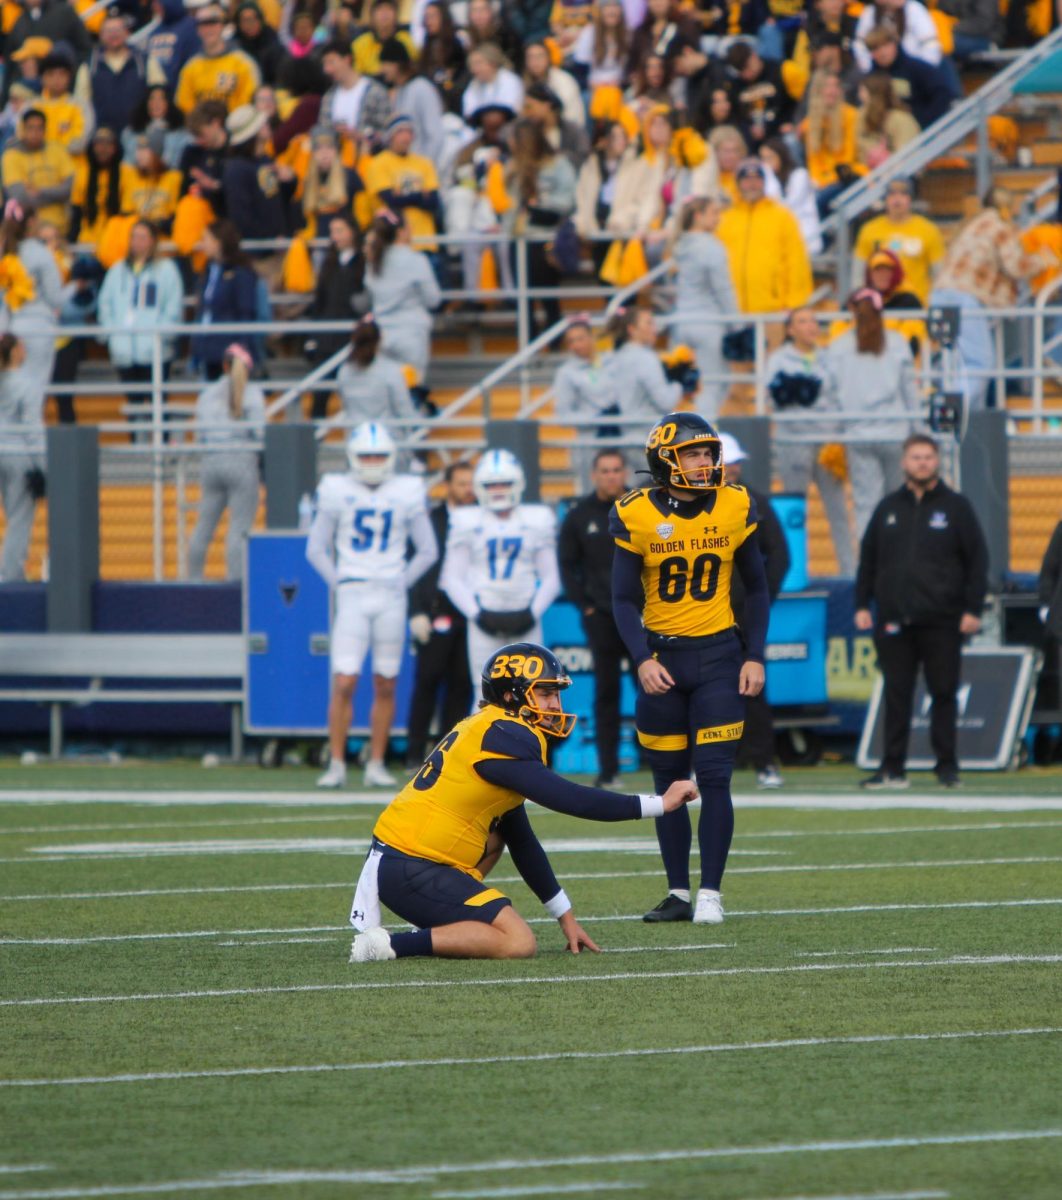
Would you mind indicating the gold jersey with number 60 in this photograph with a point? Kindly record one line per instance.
(687, 560)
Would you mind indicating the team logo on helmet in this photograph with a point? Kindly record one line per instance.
(677, 432)
(372, 453)
(514, 674)
(498, 481)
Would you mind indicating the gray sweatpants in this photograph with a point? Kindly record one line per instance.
(408, 343)
(874, 469)
(19, 507)
(799, 467)
(706, 342)
(227, 480)
(38, 333)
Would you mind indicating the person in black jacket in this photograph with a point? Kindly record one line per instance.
(1049, 593)
(227, 295)
(439, 632)
(339, 295)
(923, 563)
(249, 177)
(757, 742)
(584, 552)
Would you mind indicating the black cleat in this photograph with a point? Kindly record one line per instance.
(948, 777)
(671, 908)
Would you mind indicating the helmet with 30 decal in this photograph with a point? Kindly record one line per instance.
(371, 452)
(498, 481)
(677, 432)
(519, 677)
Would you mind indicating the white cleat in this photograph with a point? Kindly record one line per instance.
(769, 778)
(377, 775)
(709, 910)
(374, 945)
(335, 776)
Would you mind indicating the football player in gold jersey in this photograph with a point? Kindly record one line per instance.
(444, 831)
(677, 544)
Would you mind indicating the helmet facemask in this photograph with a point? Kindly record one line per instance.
(498, 481)
(706, 478)
(552, 721)
(372, 454)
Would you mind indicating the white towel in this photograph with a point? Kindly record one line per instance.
(365, 911)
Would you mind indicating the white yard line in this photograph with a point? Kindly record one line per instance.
(883, 831)
(632, 917)
(839, 801)
(857, 953)
(549, 1189)
(933, 1195)
(507, 1059)
(431, 1171)
(308, 819)
(25, 1168)
(989, 960)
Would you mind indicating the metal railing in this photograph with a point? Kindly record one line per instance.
(968, 116)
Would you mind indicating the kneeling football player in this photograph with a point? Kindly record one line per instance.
(443, 832)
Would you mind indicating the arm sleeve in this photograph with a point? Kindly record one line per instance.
(425, 547)
(428, 286)
(527, 854)
(749, 561)
(549, 584)
(975, 555)
(568, 559)
(663, 396)
(457, 568)
(537, 782)
(868, 558)
(319, 546)
(774, 547)
(628, 599)
(51, 283)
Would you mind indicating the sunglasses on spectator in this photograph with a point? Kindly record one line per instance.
(209, 21)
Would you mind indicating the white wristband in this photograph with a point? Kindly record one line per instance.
(652, 806)
(559, 905)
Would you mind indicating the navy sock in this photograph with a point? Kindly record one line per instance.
(715, 830)
(675, 835)
(415, 944)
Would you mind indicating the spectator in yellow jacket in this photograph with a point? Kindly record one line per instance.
(64, 117)
(218, 72)
(914, 239)
(37, 172)
(147, 188)
(769, 262)
(405, 183)
(830, 143)
(97, 193)
(383, 25)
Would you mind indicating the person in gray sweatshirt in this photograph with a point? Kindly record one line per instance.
(797, 383)
(871, 380)
(704, 290)
(642, 386)
(584, 386)
(232, 413)
(35, 322)
(21, 455)
(372, 387)
(403, 291)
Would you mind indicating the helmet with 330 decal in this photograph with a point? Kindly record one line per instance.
(498, 481)
(678, 432)
(526, 680)
(371, 452)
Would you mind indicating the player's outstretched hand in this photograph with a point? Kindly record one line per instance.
(577, 937)
(750, 682)
(654, 678)
(681, 792)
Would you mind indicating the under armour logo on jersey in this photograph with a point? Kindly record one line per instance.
(288, 591)
(357, 915)
(711, 529)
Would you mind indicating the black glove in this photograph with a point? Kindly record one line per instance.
(686, 374)
(794, 391)
(36, 484)
(506, 623)
(739, 345)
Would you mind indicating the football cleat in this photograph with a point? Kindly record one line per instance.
(948, 777)
(883, 781)
(374, 945)
(377, 775)
(671, 908)
(709, 910)
(769, 778)
(335, 776)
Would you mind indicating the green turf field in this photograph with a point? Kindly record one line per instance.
(880, 1015)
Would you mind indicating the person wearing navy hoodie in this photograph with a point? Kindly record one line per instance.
(249, 179)
(173, 40)
(118, 74)
(228, 296)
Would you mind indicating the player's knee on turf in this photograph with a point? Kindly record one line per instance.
(520, 941)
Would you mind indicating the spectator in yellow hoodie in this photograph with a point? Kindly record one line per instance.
(217, 72)
(769, 262)
(37, 172)
(147, 188)
(64, 117)
(97, 194)
(830, 143)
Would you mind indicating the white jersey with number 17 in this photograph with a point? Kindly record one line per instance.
(503, 551)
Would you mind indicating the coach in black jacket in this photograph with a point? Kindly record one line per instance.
(923, 563)
(584, 554)
(757, 742)
(439, 631)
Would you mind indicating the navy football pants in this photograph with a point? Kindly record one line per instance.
(698, 722)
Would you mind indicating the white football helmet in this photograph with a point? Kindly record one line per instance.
(371, 452)
(498, 481)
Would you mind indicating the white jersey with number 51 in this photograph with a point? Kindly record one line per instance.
(371, 525)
